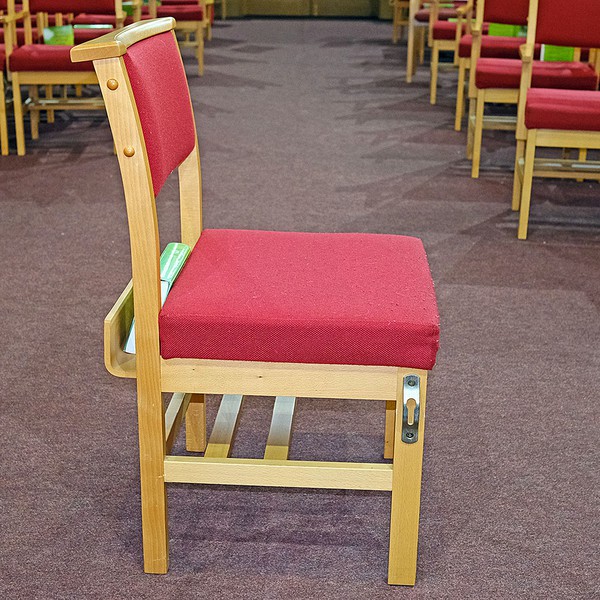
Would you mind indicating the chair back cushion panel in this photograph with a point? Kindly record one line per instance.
(72, 6)
(163, 102)
(575, 23)
(510, 12)
(360, 299)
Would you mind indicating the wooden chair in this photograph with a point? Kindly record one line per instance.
(446, 36)
(552, 118)
(35, 65)
(3, 120)
(314, 315)
(498, 80)
(400, 18)
(193, 22)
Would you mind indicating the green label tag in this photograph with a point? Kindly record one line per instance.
(503, 30)
(59, 36)
(172, 260)
(557, 53)
(105, 26)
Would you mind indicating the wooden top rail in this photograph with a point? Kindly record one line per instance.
(115, 43)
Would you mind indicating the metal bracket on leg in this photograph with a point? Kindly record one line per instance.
(410, 409)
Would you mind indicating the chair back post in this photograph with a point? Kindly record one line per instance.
(527, 53)
(190, 198)
(141, 208)
(476, 33)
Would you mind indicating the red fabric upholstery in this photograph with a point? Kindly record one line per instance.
(169, 2)
(562, 109)
(443, 15)
(180, 13)
(506, 73)
(72, 6)
(2, 58)
(572, 24)
(445, 30)
(304, 298)
(163, 102)
(84, 35)
(510, 12)
(97, 19)
(493, 46)
(20, 36)
(38, 57)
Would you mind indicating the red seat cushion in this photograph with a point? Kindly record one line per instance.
(2, 57)
(575, 110)
(181, 13)
(444, 30)
(38, 57)
(84, 35)
(443, 15)
(319, 298)
(91, 19)
(506, 73)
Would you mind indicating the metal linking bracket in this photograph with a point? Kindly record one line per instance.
(410, 409)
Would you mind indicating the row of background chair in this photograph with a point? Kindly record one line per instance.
(501, 70)
(30, 65)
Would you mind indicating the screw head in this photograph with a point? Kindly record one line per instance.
(129, 151)
(411, 381)
(410, 435)
(112, 84)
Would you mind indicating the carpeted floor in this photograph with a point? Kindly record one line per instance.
(308, 125)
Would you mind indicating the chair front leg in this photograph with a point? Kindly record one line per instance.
(527, 184)
(478, 133)
(18, 108)
(518, 175)
(460, 96)
(406, 479)
(3, 120)
(435, 59)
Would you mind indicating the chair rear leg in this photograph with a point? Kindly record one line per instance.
(460, 97)
(518, 175)
(435, 59)
(153, 490)
(478, 134)
(527, 184)
(406, 482)
(3, 120)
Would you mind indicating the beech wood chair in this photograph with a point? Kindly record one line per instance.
(400, 16)
(193, 21)
(350, 316)
(34, 65)
(554, 118)
(446, 36)
(3, 119)
(497, 80)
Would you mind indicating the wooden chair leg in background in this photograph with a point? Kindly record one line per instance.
(518, 175)
(478, 133)
(390, 424)
(34, 115)
(50, 113)
(3, 120)
(435, 62)
(406, 479)
(19, 120)
(195, 424)
(527, 184)
(460, 96)
(471, 127)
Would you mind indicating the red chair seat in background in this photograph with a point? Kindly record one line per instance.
(181, 13)
(91, 19)
(235, 295)
(444, 14)
(20, 36)
(38, 57)
(84, 35)
(506, 73)
(445, 30)
(575, 110)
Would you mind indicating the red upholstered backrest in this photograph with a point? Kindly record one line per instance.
(163, 101)
(510, 12)
(573, 23)
(100, 7)
(3, 4)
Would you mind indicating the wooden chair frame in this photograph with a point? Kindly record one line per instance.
(464, 16)
(415, 45)
(35, 104)
(400, 18)
(527, 165)
(193, 31)
(232, 379)
(4, 20)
